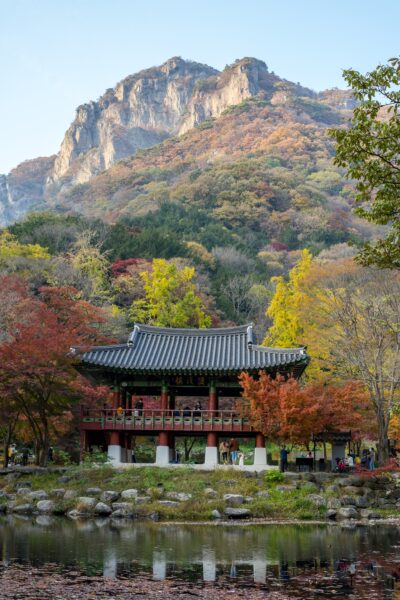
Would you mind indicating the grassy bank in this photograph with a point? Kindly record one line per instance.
(206, 490)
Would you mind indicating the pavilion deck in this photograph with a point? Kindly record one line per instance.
(183, 421)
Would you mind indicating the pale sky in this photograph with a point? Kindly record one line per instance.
(57, 54)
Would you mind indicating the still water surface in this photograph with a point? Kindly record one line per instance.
(306, 561)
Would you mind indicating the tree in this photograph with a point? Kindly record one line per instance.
(287, 329)
(287, 412)
(37, 375)
(360, 312)
(369, 151)
(171, 298)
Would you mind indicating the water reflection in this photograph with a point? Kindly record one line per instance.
(306, 560)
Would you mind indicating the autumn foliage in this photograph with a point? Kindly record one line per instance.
(38, 381)
(287, 412)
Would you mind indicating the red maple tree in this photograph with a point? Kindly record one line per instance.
(37, 375)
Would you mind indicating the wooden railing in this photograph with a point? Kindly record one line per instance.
(160, 420)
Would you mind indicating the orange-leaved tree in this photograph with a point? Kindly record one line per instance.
(287, 412)
(37, 374)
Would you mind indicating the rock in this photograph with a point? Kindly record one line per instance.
(3, 494)
(23, 491)
(366, 513)
(109, 496)
(70, 494)
(332, 489)
(333, 503)
(316, 499)
(248, 499)
(169, 503)
(57, 493)
(85, 504)
(361, 502)
(102, 509)
(179, 496)
(122, 514)
(237, 513)
(342, 481)
(93, 491)
(45, 506)
(249, 474)
(356, 480)
(129, 494)
(65, 479)
(234, 499)
(331, 514)
(347, 512)
(143, 500)
(262, 494)
(23, 509)
(37, 495)
(348, 501)
(122, 506)
(352, 490)
(23, 484)
(216, 514)
(74, 514)
(210, 493)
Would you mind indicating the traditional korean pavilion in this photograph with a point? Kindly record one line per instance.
(158, 374)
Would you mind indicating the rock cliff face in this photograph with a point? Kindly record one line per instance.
(141, 111)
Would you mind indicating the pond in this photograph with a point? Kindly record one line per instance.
(305, 561)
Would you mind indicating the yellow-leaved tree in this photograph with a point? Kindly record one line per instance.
(171, 298)
(287, 329)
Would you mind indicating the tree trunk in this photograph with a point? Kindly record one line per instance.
(383, 426)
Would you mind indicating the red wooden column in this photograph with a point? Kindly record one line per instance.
(83, 443)
(164, 397)
(162, 452)
(116, 397)
(211, 457)
(260, 440)
(212, 440)
(212, 397)
(114, 438)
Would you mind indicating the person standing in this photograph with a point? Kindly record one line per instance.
(233, 449)
(224, 451)
(284, 459)
(371, 459)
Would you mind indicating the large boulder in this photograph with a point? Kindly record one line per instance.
(333, 503)
(234, 499)
(85, 504)
(316, 499)
(23, 509)
(331, 514)
(23, 491)
(93, 491)
(347, 512)
(361, 502)
(102, 509)
(45, 506)
(109, 496)
(127, 494)
(348, 501)
(70, 495)
(37, 495)
(122, 506)
(237, 513)
(143, 500)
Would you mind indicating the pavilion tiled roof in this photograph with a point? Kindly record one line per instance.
(166, 350)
